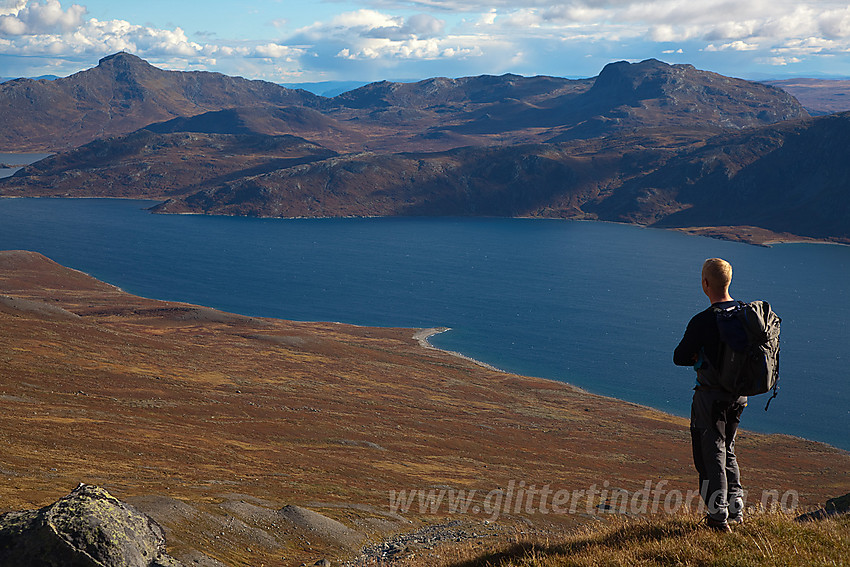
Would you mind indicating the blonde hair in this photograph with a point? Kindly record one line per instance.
(718, 272)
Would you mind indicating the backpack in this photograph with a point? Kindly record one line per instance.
(749, 362)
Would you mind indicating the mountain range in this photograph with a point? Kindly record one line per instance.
(647, 142)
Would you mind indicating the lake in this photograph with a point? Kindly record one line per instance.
(17, 161)
(598, 305)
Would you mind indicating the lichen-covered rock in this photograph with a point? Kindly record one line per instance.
(87, 528)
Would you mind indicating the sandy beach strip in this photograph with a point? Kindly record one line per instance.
(422, 336)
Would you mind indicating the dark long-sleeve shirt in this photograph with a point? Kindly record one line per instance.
(702, 339)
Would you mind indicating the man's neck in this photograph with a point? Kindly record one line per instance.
(720, 298)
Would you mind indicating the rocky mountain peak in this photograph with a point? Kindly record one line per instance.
(638, 81)
(123, 66)
(654, 87)
(122, 58)
(122, 94)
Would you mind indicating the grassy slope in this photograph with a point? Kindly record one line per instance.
(770, 539)
(208, 421)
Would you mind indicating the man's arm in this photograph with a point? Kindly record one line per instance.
(687, 353)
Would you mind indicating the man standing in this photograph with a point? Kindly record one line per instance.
(715, 412)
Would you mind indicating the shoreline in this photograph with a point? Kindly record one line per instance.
(752, 235)
(422, 336)
(744, 234)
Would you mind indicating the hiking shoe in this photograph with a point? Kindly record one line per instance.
(717, 525)
(737, 520)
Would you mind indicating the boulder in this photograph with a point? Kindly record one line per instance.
(87, 528)
(837, 506)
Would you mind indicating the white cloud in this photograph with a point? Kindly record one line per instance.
(357, 23)
(11, 6)
(275, 51)
(778, 61)
(373, 24)
(811, 46)
(669, 20)
(807, 26)
(733, 46)
(373, 35)
(526, 18)
(835, 24)
(22, 18)
(488, 18)
(755, 30)
(408, 49)
(10, 25)
(45, 28)
(424, 25)
(452, 36)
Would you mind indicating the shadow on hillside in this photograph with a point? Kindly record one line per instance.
(622, 537)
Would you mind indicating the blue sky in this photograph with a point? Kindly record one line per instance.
(367, 40)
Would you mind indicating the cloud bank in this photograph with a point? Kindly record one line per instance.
(454, 37)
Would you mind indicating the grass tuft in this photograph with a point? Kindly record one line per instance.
(769, 539)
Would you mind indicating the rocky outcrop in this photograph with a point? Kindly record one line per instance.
(659, 92)
(87, 528)
(839, 506)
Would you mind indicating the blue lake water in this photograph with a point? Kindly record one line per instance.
(18, 161)
(595, 304)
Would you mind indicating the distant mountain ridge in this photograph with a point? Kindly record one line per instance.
(623, 98)
(327, 89)
(647, 143)
(122, 94)
(125, 93)
(41, 77)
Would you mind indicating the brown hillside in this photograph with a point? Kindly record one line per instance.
(145, 164)
(213, 423)
(275, 121)
(525, 180)
(791, 177)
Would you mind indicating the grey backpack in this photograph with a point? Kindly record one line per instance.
(749, 363)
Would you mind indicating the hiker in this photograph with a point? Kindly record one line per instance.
(715, 412)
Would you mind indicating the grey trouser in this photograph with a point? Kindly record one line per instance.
(715, 415)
